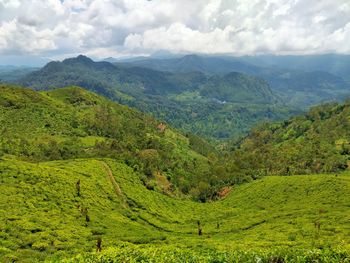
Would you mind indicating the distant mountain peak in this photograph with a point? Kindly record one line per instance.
(79, 59)
(191, 57)
(110, 60)
(83, 58)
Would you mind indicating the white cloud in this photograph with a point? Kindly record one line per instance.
(16, 37)
(10, 3)
(118, 27)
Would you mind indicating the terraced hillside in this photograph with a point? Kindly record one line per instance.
(44, 217)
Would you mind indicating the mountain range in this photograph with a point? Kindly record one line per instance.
(316, 78)
(218, 97)
(215, 106)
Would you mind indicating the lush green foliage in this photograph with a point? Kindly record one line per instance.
(236, 87)
(216, 107)
(73, 123)
(312, 143)
(43, 216)
(169, 254)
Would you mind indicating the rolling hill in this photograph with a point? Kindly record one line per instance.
(43, 217)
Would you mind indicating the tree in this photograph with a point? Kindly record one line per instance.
(77, 186)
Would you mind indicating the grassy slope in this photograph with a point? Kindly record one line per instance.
(40, 212)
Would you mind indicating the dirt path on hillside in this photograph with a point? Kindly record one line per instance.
(112, 179)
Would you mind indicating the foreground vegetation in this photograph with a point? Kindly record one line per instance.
(44, 216)
(127, 253)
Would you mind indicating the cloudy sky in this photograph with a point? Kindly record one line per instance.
(115, 28)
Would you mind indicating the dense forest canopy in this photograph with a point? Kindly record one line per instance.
(316, 142)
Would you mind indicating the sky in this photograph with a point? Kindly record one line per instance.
(39, 30)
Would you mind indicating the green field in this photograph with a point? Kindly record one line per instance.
(42, 217)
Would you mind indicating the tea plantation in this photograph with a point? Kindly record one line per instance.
(46, 216)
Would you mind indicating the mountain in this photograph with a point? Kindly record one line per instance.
(194, 63)
(304, 89)
(185, 100)
(138, 79)
(239, 88)
(335, 64)
(301, 81)
(107, 79)
(317, 142)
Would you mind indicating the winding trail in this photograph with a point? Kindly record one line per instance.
(115, 185)
(119, 193)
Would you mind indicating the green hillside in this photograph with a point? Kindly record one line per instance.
(217, 107)
(44, 217)
(74, 123)
(315, 142)
(237, 87)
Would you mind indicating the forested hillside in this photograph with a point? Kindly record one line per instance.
(73, 123)
(312, 143)
(217, 107)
